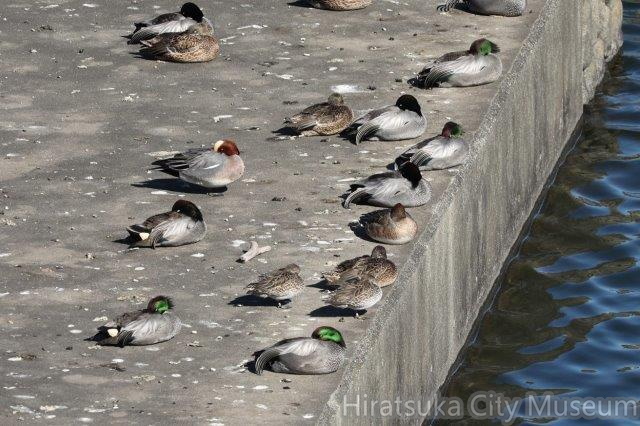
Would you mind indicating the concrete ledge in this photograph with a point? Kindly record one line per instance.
(425, 321)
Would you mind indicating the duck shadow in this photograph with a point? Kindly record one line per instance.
(300, 3)
(251, 300)
(142, 54)
(322, 285)
(176, 185)
(283, 133)
(359, 231)
(251, 365)
(331, 311)
(124, 240)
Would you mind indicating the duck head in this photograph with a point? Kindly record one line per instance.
(452, 130)
(409, 103)
(187, 208)
(292, 267)
(226, 147)
(336, 99)
(397, 213)
(190, 10)
(483, 47)
(159, 305)
(329, 334)
(411, 172)
(379, 252)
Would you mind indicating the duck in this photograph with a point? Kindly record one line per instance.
(444, 151)
(390, 226)
(404, 120)
(322, 353)
(489, 7)
(176, 22)
(149, 326)
(280, 285)
(324, 119)
(182, 225)
(334, 275)
(194, 45)
(477, 66)
(214, 167)
(381, 270)
(358, 294)
(405, 186)
(339, 5)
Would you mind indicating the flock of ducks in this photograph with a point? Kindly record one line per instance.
(187, 36)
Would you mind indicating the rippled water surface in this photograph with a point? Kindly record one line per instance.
(567, 316)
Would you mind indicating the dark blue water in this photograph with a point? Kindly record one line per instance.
(566, 318)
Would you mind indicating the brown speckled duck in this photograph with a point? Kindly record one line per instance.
(327, 118)
(380, 270)
(339, 4)
(390, 226)
(194, 45)
(280, 285)
(358, 294)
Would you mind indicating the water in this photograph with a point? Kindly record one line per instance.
(566, 317)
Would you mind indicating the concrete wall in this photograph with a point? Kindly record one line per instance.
(419, 331)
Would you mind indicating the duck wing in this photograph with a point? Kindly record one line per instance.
(179, 25)
(441, 71)
(300, 347)
(389, 118)
(170, 230)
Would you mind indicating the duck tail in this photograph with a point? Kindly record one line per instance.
(103, 338)
(166, 166)
(138, 233)
(365, 131)
(265, 358)
(447, 6)
(354, 196)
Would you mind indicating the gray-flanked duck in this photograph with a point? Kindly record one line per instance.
(446, 150)
(403, 120)
(214, 167)
(182, 225)
(476, 66)
(175, 22)
(488, 7)
(405, 186)
(322, 353)
(149, 326)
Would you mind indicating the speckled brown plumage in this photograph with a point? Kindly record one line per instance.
(196, 45)
(358, 294)
(327, 118)
(340, 4)
(281, 284)
(380, 270)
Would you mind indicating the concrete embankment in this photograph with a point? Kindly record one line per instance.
(418, 333)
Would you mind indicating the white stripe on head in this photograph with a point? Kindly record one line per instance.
(217, 145)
